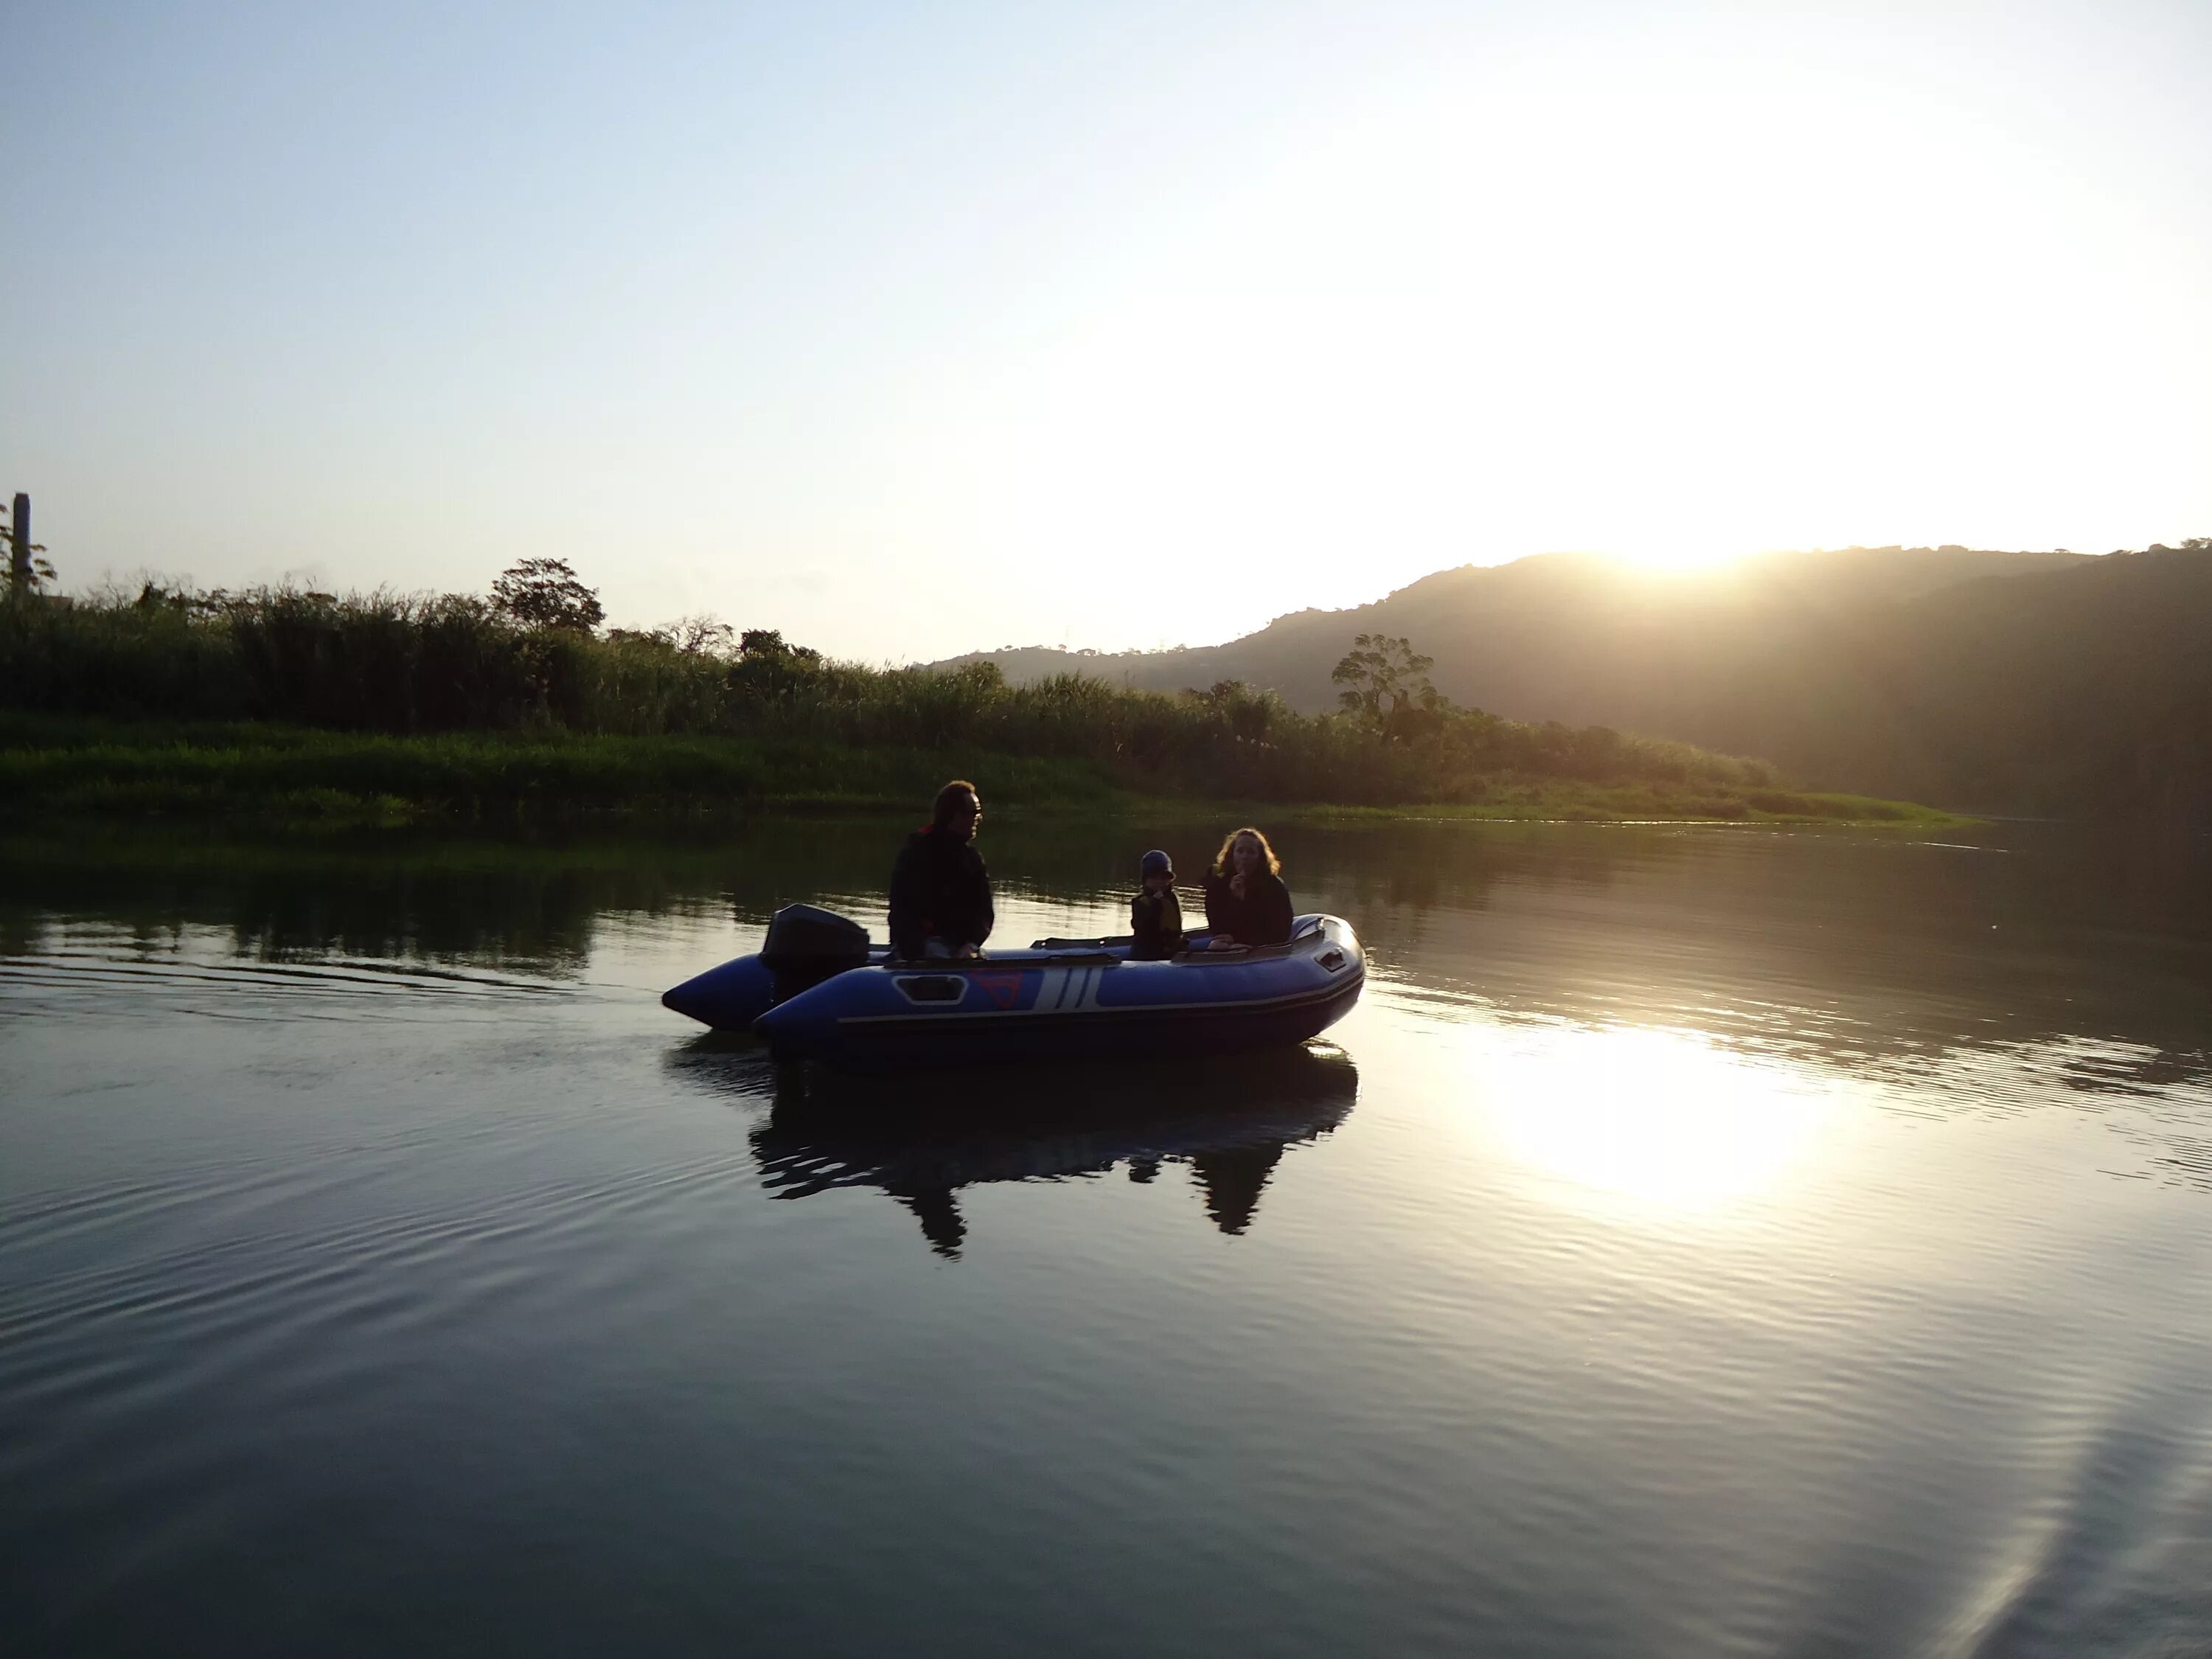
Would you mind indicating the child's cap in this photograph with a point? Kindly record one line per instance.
(1156, 863)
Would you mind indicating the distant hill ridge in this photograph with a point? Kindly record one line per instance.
(1998, 681)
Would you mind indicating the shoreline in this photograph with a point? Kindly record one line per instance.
(297, 777)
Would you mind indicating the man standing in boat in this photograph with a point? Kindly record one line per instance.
(940, 891)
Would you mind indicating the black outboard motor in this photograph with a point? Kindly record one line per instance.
(807, 944)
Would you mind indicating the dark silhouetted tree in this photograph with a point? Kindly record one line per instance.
(546, 594)
(770, 667)
(769, 645)
(702, 636)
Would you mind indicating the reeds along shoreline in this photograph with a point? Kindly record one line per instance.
(408, 666)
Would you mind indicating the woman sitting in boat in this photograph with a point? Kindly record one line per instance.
(940, 892)
(1246, 902)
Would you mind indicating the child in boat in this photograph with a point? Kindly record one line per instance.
(1156, 914)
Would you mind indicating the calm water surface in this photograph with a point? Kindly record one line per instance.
(1697, 1242)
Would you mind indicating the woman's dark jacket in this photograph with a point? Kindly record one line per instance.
(1155, 925)
(940, 890)
(1262, 916)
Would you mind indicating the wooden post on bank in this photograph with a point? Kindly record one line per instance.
(19, 542)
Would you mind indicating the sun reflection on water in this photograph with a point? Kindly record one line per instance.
(1662, 1117)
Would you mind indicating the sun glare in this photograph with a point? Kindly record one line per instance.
(1654, 1117)
(1673, 557)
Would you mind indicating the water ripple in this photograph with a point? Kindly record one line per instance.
(78, 984)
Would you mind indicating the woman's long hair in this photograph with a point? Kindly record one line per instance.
(1269, 861)
(949, 800)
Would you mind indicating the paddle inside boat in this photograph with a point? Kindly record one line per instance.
(818, 990)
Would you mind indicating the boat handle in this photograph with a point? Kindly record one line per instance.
(931, 988)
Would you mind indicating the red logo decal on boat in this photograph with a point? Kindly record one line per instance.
(1002, 989)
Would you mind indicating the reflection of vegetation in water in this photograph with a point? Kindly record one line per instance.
(1847, 951)
(1418, 866)
(364, 895)
(533, 897)
(501, 898)
(1874, 958)
(922, 1137)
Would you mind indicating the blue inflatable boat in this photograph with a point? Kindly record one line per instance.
(818, 990)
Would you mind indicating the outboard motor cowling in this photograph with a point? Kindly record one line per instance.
(807, 944)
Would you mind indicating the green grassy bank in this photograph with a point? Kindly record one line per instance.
(53, 765)
(315, 704)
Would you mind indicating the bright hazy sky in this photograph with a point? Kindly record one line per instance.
(915, 329)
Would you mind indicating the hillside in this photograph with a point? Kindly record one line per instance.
(2051, 683)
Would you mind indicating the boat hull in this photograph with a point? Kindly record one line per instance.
(1051, 1002)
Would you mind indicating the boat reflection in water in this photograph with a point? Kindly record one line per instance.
(924, 1136)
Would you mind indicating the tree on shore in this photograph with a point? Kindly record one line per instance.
(1386, 684)
(546, 594)
(769, 645)
(691, 636)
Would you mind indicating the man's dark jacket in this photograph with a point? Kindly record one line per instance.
(940, 890)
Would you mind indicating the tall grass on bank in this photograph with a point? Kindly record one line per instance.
(60, 763)
(76, 766)
(403, 665)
